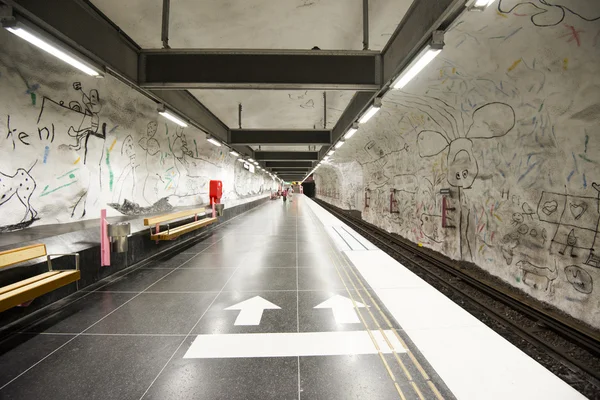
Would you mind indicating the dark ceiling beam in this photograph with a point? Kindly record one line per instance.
(260, 69)
(359, 102)
(279, 137)
(188, 105)
(288, 164)
(81, 26)
(413, 32)
(286, 155)
(420, 21)
(291, 172)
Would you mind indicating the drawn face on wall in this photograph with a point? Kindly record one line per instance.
(489, 121)
(462, 165)
(94, 103)
(127, 148)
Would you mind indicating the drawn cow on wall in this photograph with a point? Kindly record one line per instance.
(489, 121)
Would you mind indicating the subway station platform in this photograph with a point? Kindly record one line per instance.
(282, 302)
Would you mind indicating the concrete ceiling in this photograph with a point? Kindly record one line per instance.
(257, 24)
(275, 109)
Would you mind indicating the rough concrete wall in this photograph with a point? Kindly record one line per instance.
(341, 185)
(72, 145)
(507, 118)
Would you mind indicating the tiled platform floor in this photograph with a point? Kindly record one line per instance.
(128, 338)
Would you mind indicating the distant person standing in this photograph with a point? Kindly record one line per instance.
(284, 194)
(290, 193)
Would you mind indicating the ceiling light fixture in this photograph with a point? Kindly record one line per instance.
(214, 141)
(339, 144)
(168, 115)
(425, 56)
(372, 110)
(331, 152)
(351, 131)
(234, 153)
(37, 39)
(483, 3)
(251, 160)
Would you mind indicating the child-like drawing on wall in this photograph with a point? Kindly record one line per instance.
(489, 121)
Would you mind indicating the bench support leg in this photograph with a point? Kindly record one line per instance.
(157, 229)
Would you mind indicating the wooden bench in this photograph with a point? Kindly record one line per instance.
(174, 233)
(28, 289)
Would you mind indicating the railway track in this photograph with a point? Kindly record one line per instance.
(571, 352)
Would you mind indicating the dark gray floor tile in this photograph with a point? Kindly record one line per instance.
(137, 280)
(280, 247)
(194, 280)
(319, 279)
(219, 320)
(345, 377)
(215, 260)
(76, 317)
(96, 367)
(19, 352)
(235, 247)
(231, 379)
(260, 278)
(270, 260)
(156, 313)
(171, 261)
(321, 260)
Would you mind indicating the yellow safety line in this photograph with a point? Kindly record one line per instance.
(381, 356)
(411, 356)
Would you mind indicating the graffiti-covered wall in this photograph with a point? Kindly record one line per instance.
(508, 119)
(72, 145)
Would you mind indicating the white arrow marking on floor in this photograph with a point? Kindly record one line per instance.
(251, 310)
(293, 344)
(343, 309)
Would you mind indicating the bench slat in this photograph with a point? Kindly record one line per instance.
(169, 217)
(38, 288)
(180, 230)
(15, 256)
(28, 281)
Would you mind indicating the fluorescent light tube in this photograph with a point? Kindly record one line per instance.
(350, 133)
(369, 114)
(47, 47)
(483, 3)
(417, 64)
(331, 152)
(214, 141)
(173, 118)
(251, 160)
(241, 160)
(339, 144)
(234, 153)
(255, 162)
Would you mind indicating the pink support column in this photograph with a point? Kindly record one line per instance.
(104, 241)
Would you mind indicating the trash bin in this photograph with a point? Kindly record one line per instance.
(118, 234)
(219, 209)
